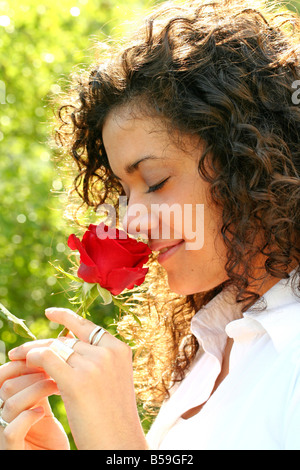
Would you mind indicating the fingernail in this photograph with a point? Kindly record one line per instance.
(39, 409)
(12, 352)
(49, 311)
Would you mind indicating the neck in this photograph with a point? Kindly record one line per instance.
(261, 287)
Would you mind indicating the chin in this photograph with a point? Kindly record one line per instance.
(184, 287)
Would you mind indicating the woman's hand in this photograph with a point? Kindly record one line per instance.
(96, 385)
(31, 424)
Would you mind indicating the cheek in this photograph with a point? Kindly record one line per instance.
(213, 256)
(198, 271)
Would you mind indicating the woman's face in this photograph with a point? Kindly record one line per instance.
(168, 202)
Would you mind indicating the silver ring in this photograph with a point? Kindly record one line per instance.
(70, 342)
(3, 423)
(98, 337)
(93, 333)
(62, 350)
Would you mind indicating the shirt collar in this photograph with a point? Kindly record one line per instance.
(222, 317)
(280, 319)
(208, 324)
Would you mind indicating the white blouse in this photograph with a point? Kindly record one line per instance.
(257, 406)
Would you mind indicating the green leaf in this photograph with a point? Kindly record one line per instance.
(137, 319)
(86, 289)
(122, 306)
(18, 325)
(104, 294)
(70, 276)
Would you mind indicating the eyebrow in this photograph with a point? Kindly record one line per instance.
(132, 167)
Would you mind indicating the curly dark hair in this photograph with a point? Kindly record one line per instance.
(224, 72)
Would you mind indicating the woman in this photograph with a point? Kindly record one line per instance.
(196, 109)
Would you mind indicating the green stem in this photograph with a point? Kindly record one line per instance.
(119, 304)
(83, 307)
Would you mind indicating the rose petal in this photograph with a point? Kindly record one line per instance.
(109, 254)
(140, 259)
(115, 264)
(125, 278)
(72, 242)
(102, 228)
(89, 274)
(106, 254)
(137, 247)
(75, 244)
(118, 253)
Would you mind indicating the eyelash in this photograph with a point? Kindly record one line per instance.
(156, 187)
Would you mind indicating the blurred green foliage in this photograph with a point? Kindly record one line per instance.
(40, 43)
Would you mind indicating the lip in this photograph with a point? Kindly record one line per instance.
(170, 252)
(157, 246)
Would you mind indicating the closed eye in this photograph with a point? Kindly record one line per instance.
(156, 187)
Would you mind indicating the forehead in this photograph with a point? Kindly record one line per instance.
(130, 134)
(128, 137)
(123, 122)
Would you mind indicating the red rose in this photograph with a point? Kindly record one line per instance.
(114, 263)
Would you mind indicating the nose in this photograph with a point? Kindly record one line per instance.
(139, 221)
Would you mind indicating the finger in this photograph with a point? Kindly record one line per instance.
(14, 434)
(15, 369)
(50, 362)
(20, 352)
(81, 327)
(12, 386)
(88, 350)
(44, 402)
(27, 399)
